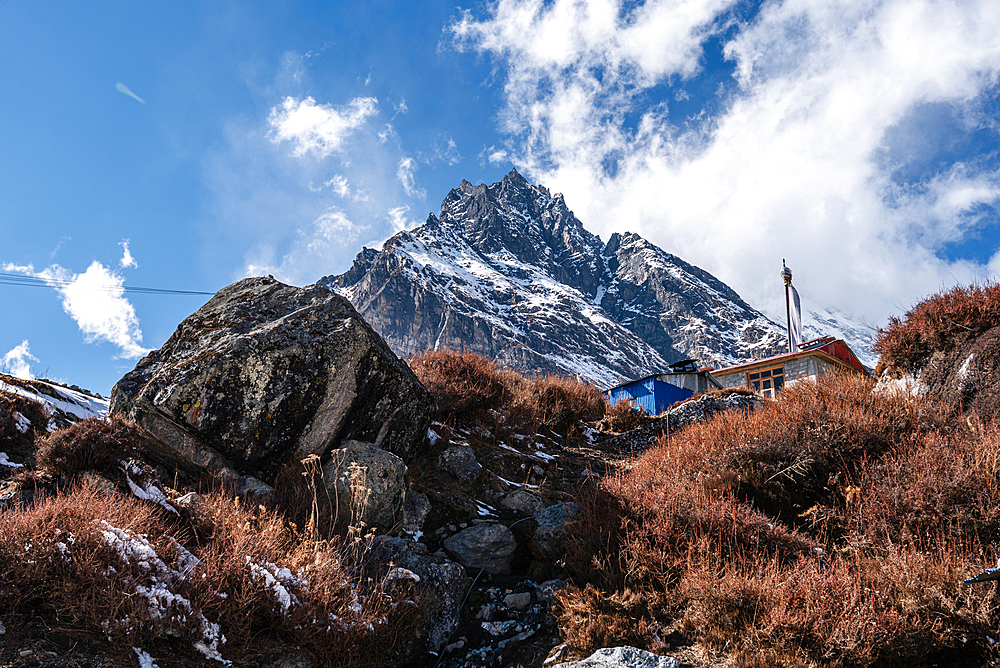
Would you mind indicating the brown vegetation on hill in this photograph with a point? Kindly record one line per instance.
(831, 527)
(939, 324)
(471, 388)
(138, 574)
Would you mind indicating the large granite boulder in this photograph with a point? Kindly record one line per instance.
(266, 374)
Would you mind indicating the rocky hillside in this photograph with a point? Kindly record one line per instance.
(507, 270)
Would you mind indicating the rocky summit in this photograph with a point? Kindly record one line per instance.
(266, 374)
(507, 270)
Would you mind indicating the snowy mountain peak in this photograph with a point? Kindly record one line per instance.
(507, 270)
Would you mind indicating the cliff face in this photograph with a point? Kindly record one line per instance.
(507, 270)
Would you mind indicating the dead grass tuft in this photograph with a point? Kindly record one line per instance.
(89, 445)
(622, 417)
(128, 570)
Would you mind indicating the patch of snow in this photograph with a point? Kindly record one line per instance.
(278, 580)
(23, 423)
(963, 371)
(516, 484)
(433, 437)
(148, 493)
(6, 462)
(908, 385)
(400, 573)
(145, 660)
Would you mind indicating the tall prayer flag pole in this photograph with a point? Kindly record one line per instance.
(786, 276)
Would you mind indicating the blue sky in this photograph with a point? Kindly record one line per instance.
(185, 146)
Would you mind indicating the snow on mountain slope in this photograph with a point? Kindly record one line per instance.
(65, 405)
(507, 270)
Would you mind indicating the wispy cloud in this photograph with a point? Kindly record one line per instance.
(122, 88)
(803, 159)
(127, 261)
(17, 362)
(404, 172)
(310, 255)
(318, 128)
(96, 301)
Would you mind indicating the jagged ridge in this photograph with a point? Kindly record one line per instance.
(507, 270)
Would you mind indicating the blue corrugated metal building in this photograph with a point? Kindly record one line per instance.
(656, 393)
(651, 394)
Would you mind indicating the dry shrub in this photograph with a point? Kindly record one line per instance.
(121, 567)
(939, 323)
(832, 527)
(556, 402)
(11, 426)
(471, 389)
(463, 384)
(622, 417)
(89, 445)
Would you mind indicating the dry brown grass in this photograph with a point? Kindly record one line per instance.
(256, 578)
(471, 389)
(89, 445)
(937, 324)
(622, 417)
(11, 434)
(833, 527)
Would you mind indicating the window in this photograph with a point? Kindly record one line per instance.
(767, 381)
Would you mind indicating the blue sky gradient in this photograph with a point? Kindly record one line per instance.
(858, 140)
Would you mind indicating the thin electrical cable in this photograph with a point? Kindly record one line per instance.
(7, 278)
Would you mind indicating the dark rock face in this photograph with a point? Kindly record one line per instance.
(266, 373)
(508, 271)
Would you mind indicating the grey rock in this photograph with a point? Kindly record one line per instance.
(444, 582)
(623, 657)
(551, 525)
(472, 548)
(253, 489)
(460, 461)
(265, 374)
(517, 601)
(367, 483)
(523, 502)
(416, 506)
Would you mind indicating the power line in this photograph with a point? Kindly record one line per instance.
(36, 282)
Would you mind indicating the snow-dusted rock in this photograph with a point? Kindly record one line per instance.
(443, 582)
(623, 657)
(460, 461)
(416, 507)
(551, 526)
(524, 502)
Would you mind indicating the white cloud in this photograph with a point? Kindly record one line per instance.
(313, 252)
(792, 166)
(399, 220)
(127, 260)
(96, 302)
(318, 128)
(16, 361)
(404, 173)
